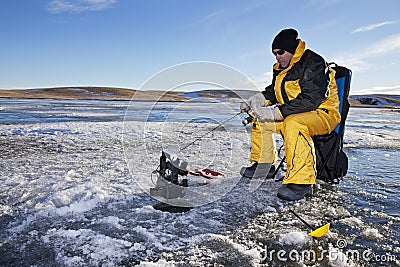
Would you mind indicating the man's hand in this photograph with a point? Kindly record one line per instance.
(267, 114)
(256, 101)
(244, 107)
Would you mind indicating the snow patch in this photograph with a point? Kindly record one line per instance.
(295, 238)
(113, 221)
(79, 207)
(239, 248)
(352, 221)
(372, 234)
(159, 263)
(153, 238)
(97, 249)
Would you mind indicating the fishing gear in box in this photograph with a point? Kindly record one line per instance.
(172, 176)
(168, 184)
(172, 172)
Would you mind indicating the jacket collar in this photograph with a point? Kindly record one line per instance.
(301, 47)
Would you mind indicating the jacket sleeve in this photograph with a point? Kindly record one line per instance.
(314, 85)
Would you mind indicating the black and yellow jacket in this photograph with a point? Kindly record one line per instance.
(306, 84)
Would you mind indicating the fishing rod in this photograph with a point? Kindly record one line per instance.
(318, 232)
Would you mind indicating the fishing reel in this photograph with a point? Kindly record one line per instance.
(168, 184)
(250, 118)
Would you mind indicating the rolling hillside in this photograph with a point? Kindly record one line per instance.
(111, 93)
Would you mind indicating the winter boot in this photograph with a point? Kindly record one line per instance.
(258, 170)
(293, 192)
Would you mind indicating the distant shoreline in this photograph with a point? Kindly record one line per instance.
(352, 105)
(124, 94)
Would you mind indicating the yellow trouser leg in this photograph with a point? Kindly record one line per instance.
(262, 142)
(297, 130)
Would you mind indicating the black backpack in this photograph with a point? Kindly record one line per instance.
(332, 162)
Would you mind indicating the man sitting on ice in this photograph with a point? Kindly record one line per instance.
(301, 102)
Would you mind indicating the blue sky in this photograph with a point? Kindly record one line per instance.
(121, 43)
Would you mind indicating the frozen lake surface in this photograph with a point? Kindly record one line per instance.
(75, 178)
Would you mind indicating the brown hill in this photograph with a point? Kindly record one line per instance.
(111, 93)
(385, 101)
(106, 93)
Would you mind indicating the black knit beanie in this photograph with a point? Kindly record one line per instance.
(286, 40)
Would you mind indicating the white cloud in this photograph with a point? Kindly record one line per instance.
(371, 26)
(227, 14)
(360, 61)
(365, 60)
(77, 6)
(208, 20)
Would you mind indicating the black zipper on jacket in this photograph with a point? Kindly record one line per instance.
(285, 97)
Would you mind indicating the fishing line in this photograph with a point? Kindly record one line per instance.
(199, 138)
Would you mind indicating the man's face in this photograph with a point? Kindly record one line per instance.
(283, 57)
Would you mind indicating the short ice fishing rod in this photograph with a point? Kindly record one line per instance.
(201, 137)
(318, 232)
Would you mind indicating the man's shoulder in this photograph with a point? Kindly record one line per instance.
(311, 55)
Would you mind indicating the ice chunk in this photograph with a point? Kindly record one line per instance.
(78, 207)
(114, 221)
(295, 238)
(371, 233)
